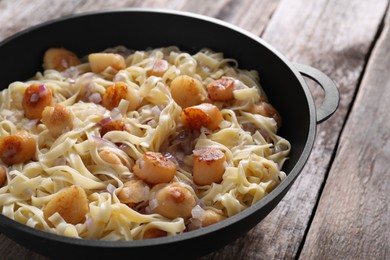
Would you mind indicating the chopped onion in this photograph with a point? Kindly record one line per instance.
(71, 73)
(195, 224)
(111, 188)
(171, 158)
(34, 98)
(105, 121)
(198, 213)
(42, 89)
(95, 98)
(153, 204)
(115, 114)
(103, 141)
(156, 111)
(152, 123)
(30, 123)
(88, 89)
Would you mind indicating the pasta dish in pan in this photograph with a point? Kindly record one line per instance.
(126, 145)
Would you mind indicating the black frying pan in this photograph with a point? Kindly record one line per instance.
(21, 56)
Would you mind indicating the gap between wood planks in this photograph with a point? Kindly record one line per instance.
(333, 156)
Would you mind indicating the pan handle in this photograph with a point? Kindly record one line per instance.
(332, 96)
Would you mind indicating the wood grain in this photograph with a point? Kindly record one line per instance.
(353, 216)
(21, 14)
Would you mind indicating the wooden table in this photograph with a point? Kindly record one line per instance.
(339, 207)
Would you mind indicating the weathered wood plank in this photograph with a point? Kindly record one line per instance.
(252, 16)
(334, 36)
(21, 14)
(353, 216)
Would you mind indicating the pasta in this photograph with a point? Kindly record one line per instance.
(126, 145)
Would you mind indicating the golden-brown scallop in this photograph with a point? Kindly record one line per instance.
(158, 69)
(187, 91)
(173, 200)
(205, 114)
(133, 192)
(118, 91)
(101, 61)
(221, 89)
(35, 99)
(116, 125)
(154, 168)
(60, 59)
(57, 119)
(71, 203)
(17, 148)
(3, 175)
(267, 110)
(209, 166)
